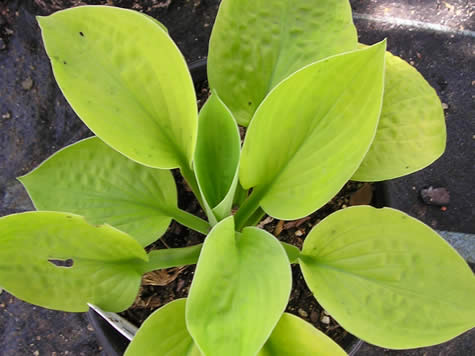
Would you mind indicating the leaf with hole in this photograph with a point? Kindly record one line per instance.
(411, 132)
(134, 92)
(256, 44)
(216, 159)
(234, 303)
(317, 126)
(91, 179)
(388, 278)
(105, 263)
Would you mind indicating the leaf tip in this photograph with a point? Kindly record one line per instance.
(229, 220)
(43, 21)
(381, 46)
(21, 178)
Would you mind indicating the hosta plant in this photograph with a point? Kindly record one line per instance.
(319, 109)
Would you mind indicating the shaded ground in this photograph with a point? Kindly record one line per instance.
(35, 121)
(461, 346)
(29, 330)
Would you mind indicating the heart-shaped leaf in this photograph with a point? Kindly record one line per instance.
(91, 179)
(411, 131)
(255, 44)
(236, 299)
(37, 248)
(127, 80)
(388, 278)
(164, 333)
(216, 159)
(295, 337)
(312, 132)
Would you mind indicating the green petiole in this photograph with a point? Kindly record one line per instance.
(191, 221)
(176, 257)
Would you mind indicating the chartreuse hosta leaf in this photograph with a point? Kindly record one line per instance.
(388, 278)
(164, 28)
(317, 126)
(411, 132)
(295, 337)
(234, 303)
(91, 179)
(106, 263)
(133, 91)
(164, 333)
(257, 43)
(217, 158)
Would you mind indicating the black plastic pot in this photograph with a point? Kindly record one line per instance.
(114, 343)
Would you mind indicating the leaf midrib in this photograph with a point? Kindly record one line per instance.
(103, 63)
(399, 290)
(165, 210)
(284, 36)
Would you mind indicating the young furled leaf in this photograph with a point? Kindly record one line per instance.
(216, 160)
(257, 43)
(106, 263)
(388, 278)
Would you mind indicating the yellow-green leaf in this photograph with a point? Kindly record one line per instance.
(411, 132)
(388, 278)
(295, 337)
(257, 43)
(90, 179)
(216, 161)
(312, 132)
(106, 263)
(127, 80)
(241, 287)
(164, 333)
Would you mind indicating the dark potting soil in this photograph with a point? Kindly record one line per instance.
(189, 22)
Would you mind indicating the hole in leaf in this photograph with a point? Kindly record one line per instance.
(61, 262)
(249, 103)
(82, 34)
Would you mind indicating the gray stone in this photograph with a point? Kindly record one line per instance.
(435, 196)
(463, 243)
(16, 198)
